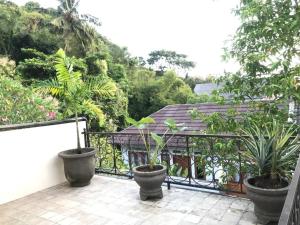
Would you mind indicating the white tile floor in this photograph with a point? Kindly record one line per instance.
(113, 201)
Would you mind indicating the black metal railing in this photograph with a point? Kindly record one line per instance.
(203, 161)
(290, 214)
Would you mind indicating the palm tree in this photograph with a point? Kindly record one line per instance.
(74, 25)
(76, 95)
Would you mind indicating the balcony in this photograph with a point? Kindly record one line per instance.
(111, 201)
(194, 193)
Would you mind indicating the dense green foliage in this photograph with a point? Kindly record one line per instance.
(78, 36)
(21, 27)
(19, 104)
(150, 93)
(163, 60)
(266, 46)
(31, 35)
(7, 68)
(75, 94)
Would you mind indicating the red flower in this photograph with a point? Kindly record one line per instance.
(51, 115)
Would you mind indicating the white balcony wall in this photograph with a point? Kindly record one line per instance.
(29, 159)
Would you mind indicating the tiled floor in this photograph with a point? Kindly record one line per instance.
(115, 201)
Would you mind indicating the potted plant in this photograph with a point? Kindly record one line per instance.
(75, 96)
(151, 176)
(271, 153)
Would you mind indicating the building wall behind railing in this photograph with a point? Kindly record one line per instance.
(29, 159)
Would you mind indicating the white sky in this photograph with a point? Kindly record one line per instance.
(197, 28)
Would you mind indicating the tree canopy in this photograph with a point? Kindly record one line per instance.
(162, 60)
(31, 35)
(150, 93)
(266, 45)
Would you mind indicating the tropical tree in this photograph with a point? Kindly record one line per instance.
(162, 60)
(150, 93)
(75, 27)
(9, 13)
(75, 94)
(266, 45)
(26, 27)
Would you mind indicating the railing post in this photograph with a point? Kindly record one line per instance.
(189, 158)
(168, 181)
(240, 167)
(99, 150)
(166, 156)
(114, 153)
(129, 159)
(85, 137)
(211, 146)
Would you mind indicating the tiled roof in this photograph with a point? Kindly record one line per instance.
(180, 113)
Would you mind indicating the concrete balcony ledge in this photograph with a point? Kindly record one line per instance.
(113, 201)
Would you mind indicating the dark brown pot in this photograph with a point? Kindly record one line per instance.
(268, 203)
(79, 168)
(150, 182)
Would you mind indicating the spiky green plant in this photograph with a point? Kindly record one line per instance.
(160, 140)
(76, 95)
(273, 149)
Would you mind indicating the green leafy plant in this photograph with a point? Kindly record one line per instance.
(7, 68)
(160, 140)
(107, 154)
(76, 95)
(178, 170)
(19, 104)
(272, 149)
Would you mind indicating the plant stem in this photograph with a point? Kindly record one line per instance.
(146, 145)
(151, 163)
(77, 132)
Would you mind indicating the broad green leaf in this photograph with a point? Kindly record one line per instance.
(170, 123)
(146, 120)
(131, 121)
(158, 139)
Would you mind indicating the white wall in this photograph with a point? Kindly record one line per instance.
(29, 161)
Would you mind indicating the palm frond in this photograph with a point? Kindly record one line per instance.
(51, 87)
(61, 67)
(106, 90)
(92, 108)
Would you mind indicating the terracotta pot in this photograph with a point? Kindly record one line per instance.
(234, 188)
